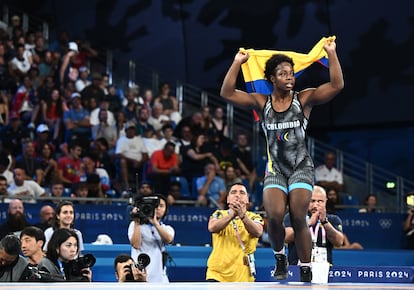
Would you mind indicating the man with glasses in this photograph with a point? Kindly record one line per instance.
(325, 229)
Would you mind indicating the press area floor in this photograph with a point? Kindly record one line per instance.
(205, 286)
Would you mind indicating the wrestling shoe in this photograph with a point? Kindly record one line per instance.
(281, 268)
(305, 274)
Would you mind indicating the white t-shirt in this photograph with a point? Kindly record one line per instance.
(153, 246)
(28, 188)
(322, 173)
(132, 148)
(49, 232)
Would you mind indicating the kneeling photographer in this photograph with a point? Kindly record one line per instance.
(60, 262)
(148, 234)
(127, 271)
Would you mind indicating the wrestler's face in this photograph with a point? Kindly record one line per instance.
(284, 76)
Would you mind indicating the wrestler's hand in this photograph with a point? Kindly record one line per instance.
(241, 57)
(329, 46)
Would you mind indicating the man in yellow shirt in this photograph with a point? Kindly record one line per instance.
(235, 233)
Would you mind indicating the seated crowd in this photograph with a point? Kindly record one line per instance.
(63, 125)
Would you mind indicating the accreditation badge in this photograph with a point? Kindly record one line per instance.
(319, 254)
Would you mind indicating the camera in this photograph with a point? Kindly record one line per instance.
(75, 266)
(143, 261)
(146, 207)
(34, 274)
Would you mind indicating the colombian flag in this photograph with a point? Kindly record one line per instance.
(253, 69)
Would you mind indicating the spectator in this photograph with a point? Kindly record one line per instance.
(77, 123)
(80, 193)
(408, 228)
(4, 168)
(56, 190)
(83, 80)
(206, 115)
(47, 65)
(164, 165)
(4, 103)
(127, 271)
(327, 175)
(25, 103)
(243, 153)
(95, 117)
(370, 204)
(105, 129)
(16, 219)
(48, 164)
(194, 159)
(13, 266)
(64, 219)
(131, 154)
(94, 90)
(141, 120)
(105, 159)
(147, 99)
(52, 108)
(28, 161)
(219, 123)
(157, 119)
(67, 71)
(230, 177)
(235, 233)
(4, 193)
(151, 142)
(46, 215)
(69, 166)
(334, 202)
(120, 124)
(326, 230)
(89, 168)
(63, 248)
(184, 136)
(211, 188)
(32, 240)
(115, 104)
(169, 103)
(22, 187)
(167, 136)
(13, 135)
(226, 157)
(7, 83)
(174, 192)
(150, 235)
(20, 64)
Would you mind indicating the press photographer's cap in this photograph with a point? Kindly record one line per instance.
(103, 239)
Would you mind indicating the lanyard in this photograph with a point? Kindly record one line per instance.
(314, 234)
(61, 269)
(237, 233)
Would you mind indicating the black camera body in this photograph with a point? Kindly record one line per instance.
(143, 261)
(75, 266)
(146, 207)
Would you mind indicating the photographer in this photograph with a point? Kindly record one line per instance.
(147, 234)
(60, 261)
(127, 271)
(12, 265)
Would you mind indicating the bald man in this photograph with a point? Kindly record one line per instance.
(325, 229)
(46, 214)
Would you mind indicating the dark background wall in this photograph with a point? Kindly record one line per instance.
(195, 40)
